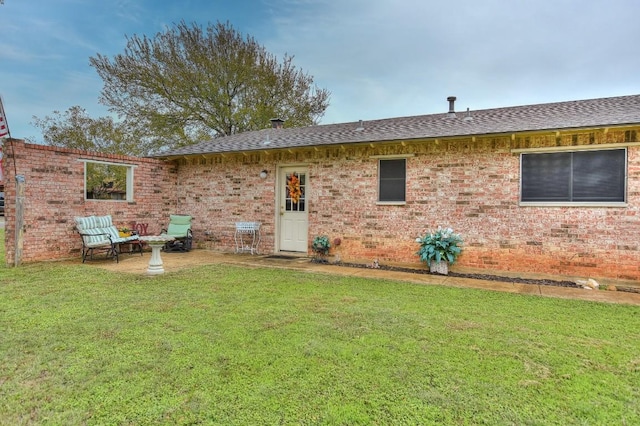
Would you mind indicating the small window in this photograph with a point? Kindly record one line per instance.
(392, 180)
(573, 177)
(108, 181)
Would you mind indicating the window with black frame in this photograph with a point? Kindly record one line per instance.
(392, 176)
(590, 176)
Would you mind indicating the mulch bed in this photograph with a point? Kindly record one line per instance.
(486, 277)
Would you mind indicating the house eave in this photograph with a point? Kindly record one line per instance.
(373, 143)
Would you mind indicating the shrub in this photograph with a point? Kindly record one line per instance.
(321, 245)
(441, 245)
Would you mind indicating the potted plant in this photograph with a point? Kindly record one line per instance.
(320, 247)
(124, 232)
(440, 248)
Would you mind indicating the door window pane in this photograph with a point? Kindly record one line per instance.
(295, 192)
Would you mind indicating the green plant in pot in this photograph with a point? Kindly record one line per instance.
(439, 248)
(320, 247)
(124, 231)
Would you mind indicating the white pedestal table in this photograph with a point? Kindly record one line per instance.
(155, 242)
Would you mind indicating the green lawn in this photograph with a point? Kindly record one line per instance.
(231, 346)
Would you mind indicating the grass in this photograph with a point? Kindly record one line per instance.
(232, 346)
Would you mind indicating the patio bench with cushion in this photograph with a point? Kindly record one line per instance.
(99, 234)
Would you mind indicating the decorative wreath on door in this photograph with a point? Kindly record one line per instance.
(293, 187)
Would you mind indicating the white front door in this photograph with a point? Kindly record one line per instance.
(294, 218)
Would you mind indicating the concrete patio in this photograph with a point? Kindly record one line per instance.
(136, 264)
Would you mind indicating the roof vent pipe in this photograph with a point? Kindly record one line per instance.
(452, 100)
(277, 123)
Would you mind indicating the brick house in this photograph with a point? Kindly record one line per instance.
(550, 188)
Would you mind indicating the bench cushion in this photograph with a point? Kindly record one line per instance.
(96, 231)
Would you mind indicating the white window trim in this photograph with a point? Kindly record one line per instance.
(568, 204)
(129, 178)
(392, 157)
(550, 150)
(391, 203)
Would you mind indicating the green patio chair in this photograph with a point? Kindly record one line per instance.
(180, 229)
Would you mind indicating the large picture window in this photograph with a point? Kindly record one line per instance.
(392, 180)
(108, 181)
(596, 176)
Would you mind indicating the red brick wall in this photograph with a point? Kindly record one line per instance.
(54, 195)
(220, 193)
(470, 184)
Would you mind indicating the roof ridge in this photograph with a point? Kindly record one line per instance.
(597, 112)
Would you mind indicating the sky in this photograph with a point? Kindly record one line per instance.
(378, 58)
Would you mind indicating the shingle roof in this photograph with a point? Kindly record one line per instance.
(603, 112)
